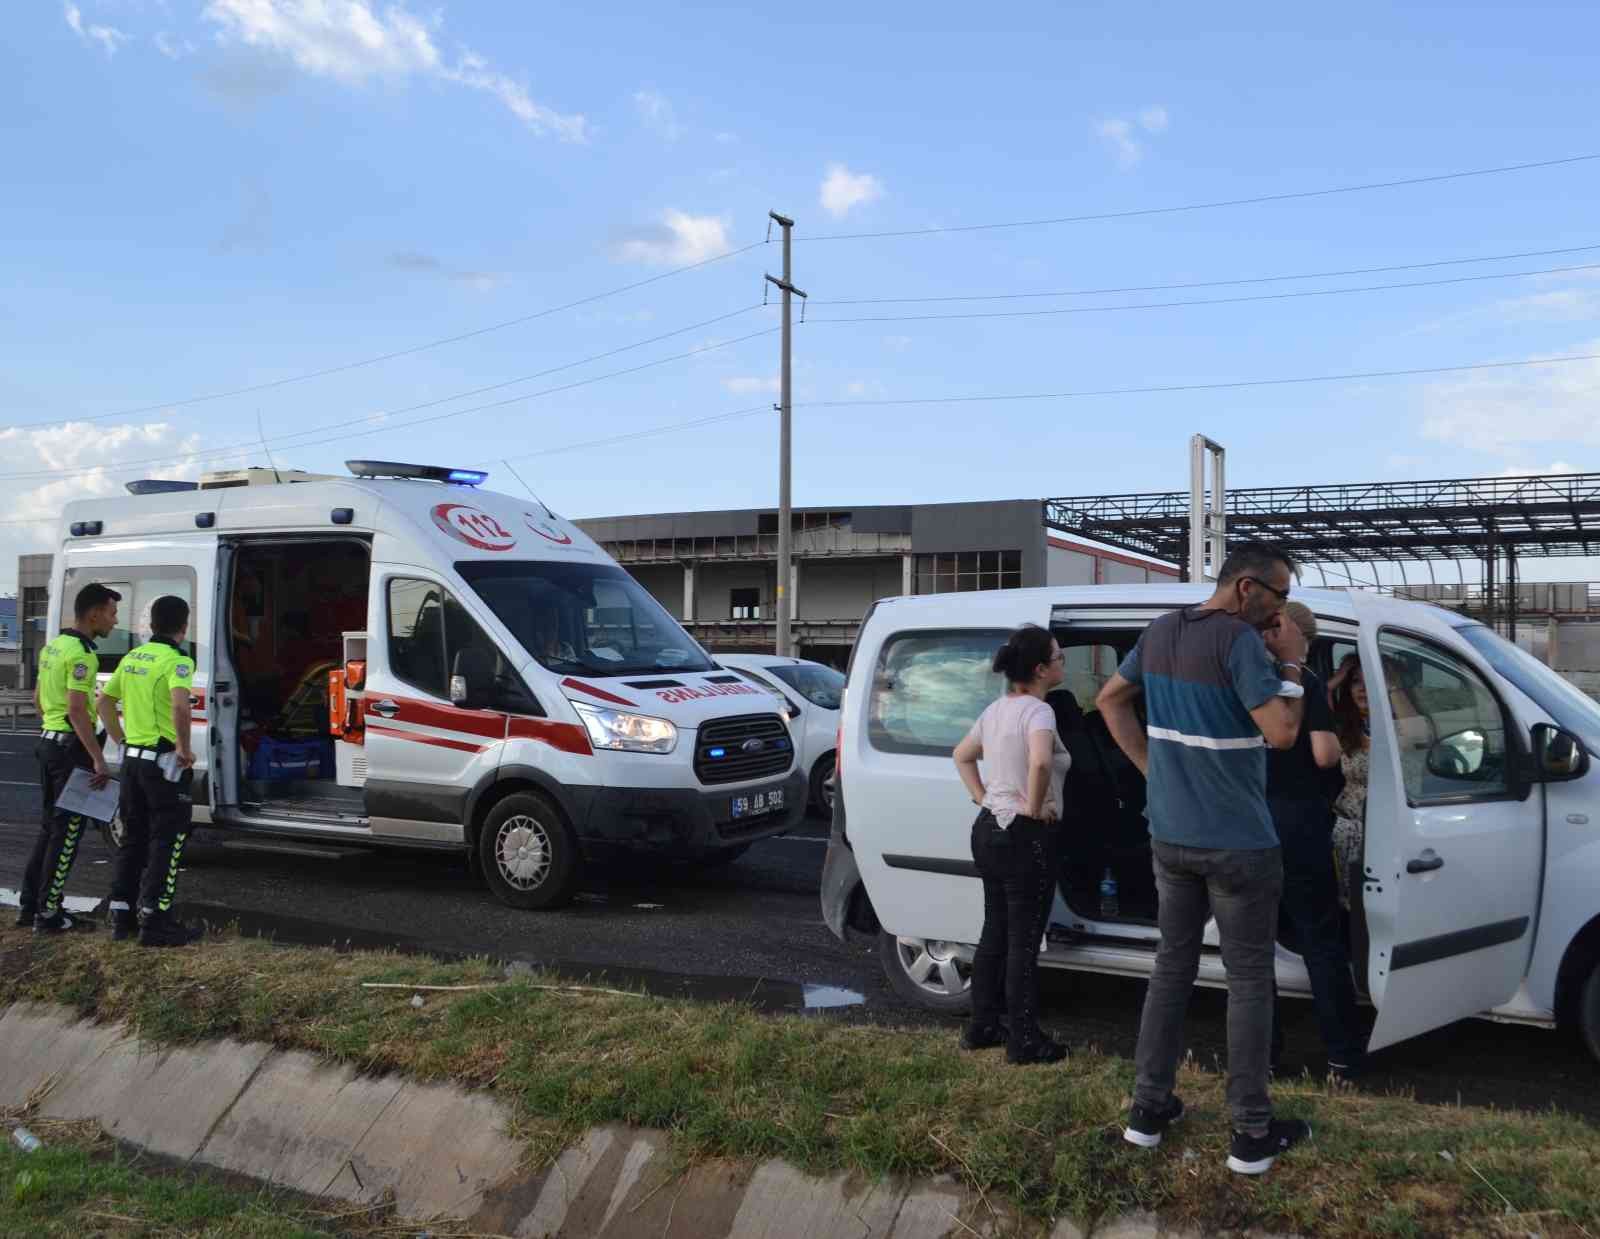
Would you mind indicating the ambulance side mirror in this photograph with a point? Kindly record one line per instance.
(472, 678)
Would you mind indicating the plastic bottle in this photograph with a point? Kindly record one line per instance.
(1110, 905)
(26, 1140)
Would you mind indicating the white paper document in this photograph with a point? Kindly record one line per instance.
(78, 797)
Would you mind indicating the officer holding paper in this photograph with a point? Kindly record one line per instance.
(152, 683)
(63, 694)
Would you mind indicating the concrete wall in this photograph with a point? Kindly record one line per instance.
(714, 581)
(1064, 567)
(665, 583)
(845, 588)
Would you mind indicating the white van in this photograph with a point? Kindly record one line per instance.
(1482, 869)
(812, 693)
(399, 658)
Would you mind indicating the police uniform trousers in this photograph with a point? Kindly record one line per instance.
(44, 883)
(156, 815)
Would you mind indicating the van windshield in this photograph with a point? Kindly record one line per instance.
(1561, 700)
(821, 686)
(584, 619)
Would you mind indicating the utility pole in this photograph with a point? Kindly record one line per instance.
(785, 532)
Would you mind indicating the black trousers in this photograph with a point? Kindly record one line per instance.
(156, 815)
(1310, 924)
(1018, 866)
(44, 883)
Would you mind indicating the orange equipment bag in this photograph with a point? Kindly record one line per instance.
(336, 701)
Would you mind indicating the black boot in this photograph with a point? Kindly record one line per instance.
(124, 924)
(164, 929)
(60, 923)
(24, 916)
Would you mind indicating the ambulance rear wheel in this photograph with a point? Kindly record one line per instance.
(528, 853)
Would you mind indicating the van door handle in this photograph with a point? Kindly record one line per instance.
(386, 708)
(1426, 863)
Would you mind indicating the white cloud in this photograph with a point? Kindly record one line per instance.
(108, 37)
(1500, 412)
(171, 46)
(348, 41)
(1124, 133)
(1531, 471)
(91, 452)
(478, 281)
(750, 385)
(656, 114)
(843, 190)
(725, 138)
(679, 240)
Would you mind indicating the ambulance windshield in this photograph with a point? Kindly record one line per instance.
(584, 619)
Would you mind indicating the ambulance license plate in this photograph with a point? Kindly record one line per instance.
(756, 804)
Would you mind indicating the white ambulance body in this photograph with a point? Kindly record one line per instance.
(398, 658)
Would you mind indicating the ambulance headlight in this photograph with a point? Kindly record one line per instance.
(632, 733)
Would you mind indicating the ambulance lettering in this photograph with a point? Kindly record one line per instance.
(473, 526)
(672, 696)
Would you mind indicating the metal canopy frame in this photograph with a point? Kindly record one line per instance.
(1497, 521)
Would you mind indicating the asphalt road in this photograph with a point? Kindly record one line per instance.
(752, 930)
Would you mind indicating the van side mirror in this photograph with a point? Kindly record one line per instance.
(472, 678)
(1558, 755)
(1459, 756)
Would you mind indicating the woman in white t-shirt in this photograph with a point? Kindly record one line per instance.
(1015, 844)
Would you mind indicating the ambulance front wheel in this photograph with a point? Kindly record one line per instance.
(528, 853)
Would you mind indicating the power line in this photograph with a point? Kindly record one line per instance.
(232, 449)
(1168, 305)
(1206, 206)
(382, 357)
(645, 434)
(1258, 279)
(1230, 385)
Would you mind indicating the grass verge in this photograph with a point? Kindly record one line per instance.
(827, 1096)
(82, 1184)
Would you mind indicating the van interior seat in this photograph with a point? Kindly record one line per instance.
(1102, 818)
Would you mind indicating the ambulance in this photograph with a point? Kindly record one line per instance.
(400, 658)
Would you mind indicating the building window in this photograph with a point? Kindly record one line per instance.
(964, 571)
(803, 522)
(744, 604)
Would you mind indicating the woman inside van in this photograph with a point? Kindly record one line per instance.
(1352, 725)
(1015, 844)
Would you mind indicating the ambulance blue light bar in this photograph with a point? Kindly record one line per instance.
(427, 473)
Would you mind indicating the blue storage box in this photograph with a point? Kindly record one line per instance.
(282, 761)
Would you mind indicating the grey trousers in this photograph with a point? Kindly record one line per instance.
(1241, 890)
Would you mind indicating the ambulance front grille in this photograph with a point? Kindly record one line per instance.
(734, 750)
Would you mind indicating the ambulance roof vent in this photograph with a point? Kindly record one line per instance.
(160, 486)
(426, 473)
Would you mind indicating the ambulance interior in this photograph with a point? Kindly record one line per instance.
(291, 606)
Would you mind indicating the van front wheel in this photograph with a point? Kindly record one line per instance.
(1589, 1011)
(528, 853)
(927, 972)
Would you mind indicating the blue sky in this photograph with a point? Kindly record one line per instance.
(207, 196)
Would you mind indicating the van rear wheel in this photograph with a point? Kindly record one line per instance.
(927, 972)
(528, 853)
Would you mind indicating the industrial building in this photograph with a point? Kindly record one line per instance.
(717, 572)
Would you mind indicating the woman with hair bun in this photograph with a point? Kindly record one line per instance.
(1015, 845)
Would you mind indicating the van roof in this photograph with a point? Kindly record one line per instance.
(1332, 604)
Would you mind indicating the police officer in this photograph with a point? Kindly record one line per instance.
(152, 683)
(62, 694)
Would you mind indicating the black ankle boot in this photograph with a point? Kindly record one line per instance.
(124, 924)
(983, 1036)
(1038, 1048)
(164, 929)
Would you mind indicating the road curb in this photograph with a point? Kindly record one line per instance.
(289, 1119)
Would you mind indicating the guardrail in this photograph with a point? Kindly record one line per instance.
(14, 706)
